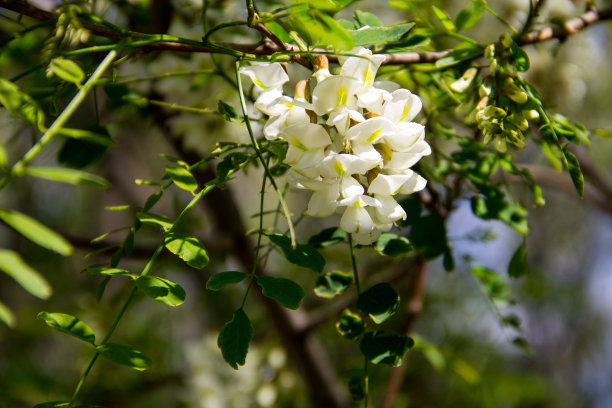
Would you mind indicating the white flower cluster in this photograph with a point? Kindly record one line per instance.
(351, 140)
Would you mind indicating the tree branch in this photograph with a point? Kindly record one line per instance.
(272, 45)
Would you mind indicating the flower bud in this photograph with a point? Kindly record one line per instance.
(489, 51)
(302, 90)
(500, 144)
(531, 114)
(506, 40)
(464, 82)
(321, 62)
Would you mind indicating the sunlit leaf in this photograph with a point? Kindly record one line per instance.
(470, 15)
(68, 324)
(573, 167)
(110, 272)
(124, 355)
(380, 302)
(331, 284)
(380, 35)
(392, 244)
(182, 178)
(67, 70)
(6, 315)
(155, 220)
(64, 175)
(319, 28)
(389, 350)
(189, 249)
(327, 237)
(459, 55)
(350, 325)
(447, 23)
(36, 232)
(162, 290)
(284, 291)
(222, 279)
(363, 18)
(20, 104)
(15, 267)
(234, 339)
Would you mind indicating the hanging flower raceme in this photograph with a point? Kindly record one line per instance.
(351, 139)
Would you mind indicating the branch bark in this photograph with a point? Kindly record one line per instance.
(272, 45)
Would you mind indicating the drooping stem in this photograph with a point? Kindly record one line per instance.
(61, 119)
(260, 156)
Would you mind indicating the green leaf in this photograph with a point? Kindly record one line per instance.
(125, 355)
(84, 147)
(6, 315)
(284, 291)
(36, 232)
(357, 387)
(492, 284)
(21, 104)
(228, 112)
(182, 178)
(162, 290)
(390, 350)
(350, 325)
(278, 30)
(327, 237)
(459, 55)
(67, 70)
(412, 207)
(447, 23)
(69, 325)
(411, 41)
(380, 302)
(363, 18)
(518, 264)
(331, 284)
(189, 249)
(520, 57)
(380, 35)
(222, 279)
(573, 167)
(470, 15)
(155, 219)
(111, 272)
(319, 28)
(63, 175)
(392, 245)
(429, 233)
(303, 255)
(234, 339)
(12, 264)
(53, 404)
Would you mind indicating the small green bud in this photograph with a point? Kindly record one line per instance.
(506, 40)
(531, 114)
(489, 51)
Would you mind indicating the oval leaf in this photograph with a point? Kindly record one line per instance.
(189, 249)
(20, 104)
(63, 175)
(350, 325)
(161, 289)
(111, 272)
(518, 264)
(124, 355)
(327, 237)
(284, 291)
(380, 35)
(234, 339)
(332, 284)
(182, 178)
(388, 350)
(36, 232)
(67, 70)
(6, 315)
(380, 302)
(155, 219)
(303, 255)
(222, 279)
(12, 264)
(392, 245)
(69, 325)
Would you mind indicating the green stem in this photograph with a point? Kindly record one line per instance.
(160, 76)
(222, 26)
(260, 156)
(262, 194)
(61, 119)
(170, 105)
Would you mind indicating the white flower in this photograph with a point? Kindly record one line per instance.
(266, 76)
(335, 92)
(403, 106)
(362, 68)
(306, 144)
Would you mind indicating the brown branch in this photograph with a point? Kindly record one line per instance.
(273, 45)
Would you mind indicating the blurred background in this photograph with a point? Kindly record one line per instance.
(464, 357)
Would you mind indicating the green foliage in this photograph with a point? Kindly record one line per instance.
(14, 266)
(63, 175)
(284, 291)
(189, 249)
(327, 237)
(124, 355)
(68, 324)
(67, 70)
(161, 289)
(318, 28)
(21, 104)
(234, 339)
(156, 220)
(392, 245)
(219, 280)
(331, 284)
(36, 232)
(302, 255)
(380, 35)
(350, 325)
(470, 15)
(385, 349)
(380, 302)
(182, 178)
(518, 263)
(429, 234)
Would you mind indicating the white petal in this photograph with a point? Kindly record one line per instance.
(366, 238)
(401, 161)
(323, 202)
(362, 69)
(372, 99)
(367, 152)
(306, 136)
(407, 134)
(388, 184)
(416, 183)
(389, 211)
(334, 92)
(356, 220)
(371, 130)
(266, 75)
(272, 102)
(349, 187)
(403, 106)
